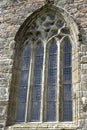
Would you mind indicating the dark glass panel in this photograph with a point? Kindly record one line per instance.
(52, 71)
(65, 30)
(67, 59)
(67, 75)
(20, 115)
(67, 46)
(35, 111)
(25, 65)
(67, 82)
(39, 50)
(24, 78)
(51, 111)
(36, 92)
(52, 76)
(26, 52)
(53, 61)
(22, 94)
(53, 48)
(30, 35)
(59, 24)
(67, 92)
(38, 35)
(67, 111)
(39, 62)
(52, 79)
(51, 93)
(36, 88)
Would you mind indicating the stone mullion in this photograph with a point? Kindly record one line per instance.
(43, 87)
(58, 82)
(29, 90)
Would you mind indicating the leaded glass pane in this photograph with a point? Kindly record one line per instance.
(51, 111)
(51, 93)
(67, 46)
(22, 94)
(52, 61)
(20, 112)
(39, 50)
(35, 111)
(53, 49)
(37, 83)
(25, 64)
(20, 115)
(52, 79)
(36, 92)
(67, 59)
(24, 78)
(67, 111)
(67, 82)
(67, 75)
(67, 92)
(39, 62)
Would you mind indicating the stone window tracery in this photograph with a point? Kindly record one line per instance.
(42, 71)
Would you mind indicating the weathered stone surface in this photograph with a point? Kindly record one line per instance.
(2, 111)
(84, 48)
(12, 15)
(3, 93)
(83, 66)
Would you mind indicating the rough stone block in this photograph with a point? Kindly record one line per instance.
(84, 59)
(3, 93)
(83, 66)
(84, 78)
(84, 48)
(2, 111)
(84, 86)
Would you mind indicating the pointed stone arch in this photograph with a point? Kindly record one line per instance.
(56, 10)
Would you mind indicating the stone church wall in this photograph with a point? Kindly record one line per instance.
(12, 15)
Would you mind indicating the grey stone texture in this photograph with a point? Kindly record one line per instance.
(12, 15)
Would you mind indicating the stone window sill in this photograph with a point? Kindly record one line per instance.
(44, 126)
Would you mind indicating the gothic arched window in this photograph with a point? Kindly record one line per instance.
(45, 89)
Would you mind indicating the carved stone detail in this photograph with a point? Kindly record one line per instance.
(46, 28)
